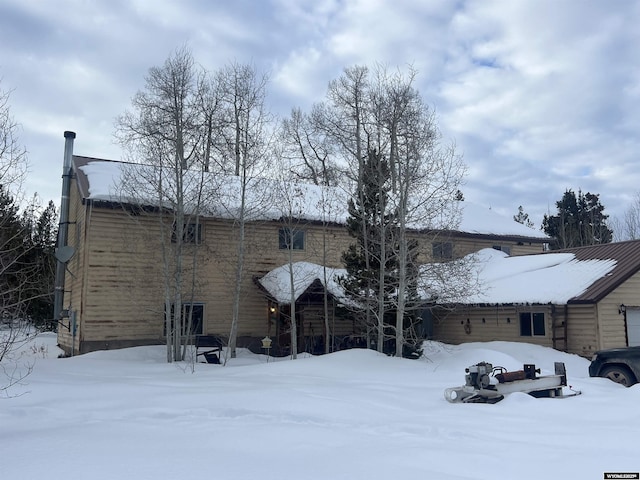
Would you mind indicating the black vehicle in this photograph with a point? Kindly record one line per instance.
(622, 365)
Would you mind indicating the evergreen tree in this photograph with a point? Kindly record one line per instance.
(12, 257)
(43, 238)
(523, 218)
(370, 260)
(27, 262)
(580, 221)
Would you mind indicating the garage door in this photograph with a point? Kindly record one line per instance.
(633, 326)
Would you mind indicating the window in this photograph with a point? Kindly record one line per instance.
(291, 238)
(442, 250)
(532, 324)
(196, 310)
(192, 233)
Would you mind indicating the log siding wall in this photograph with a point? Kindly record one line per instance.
(612, 331)
(115, 281)
(489, 323)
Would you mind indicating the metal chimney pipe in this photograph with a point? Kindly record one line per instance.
(63, 226)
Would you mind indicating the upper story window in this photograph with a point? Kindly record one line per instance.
(442, 250)
(192, 233)
(532, 324)
(290, 238)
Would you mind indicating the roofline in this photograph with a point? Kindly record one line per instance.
(508, 237)
(271, 298)
(618, 280)
(586, 301)
(509, 304)
(114, 205)
(80, 160)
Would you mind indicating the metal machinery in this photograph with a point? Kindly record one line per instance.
(485, 383)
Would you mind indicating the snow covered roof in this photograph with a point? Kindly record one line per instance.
(480, 220)
(268, 200)
(278, 281)
(583, 276)
(542, 278)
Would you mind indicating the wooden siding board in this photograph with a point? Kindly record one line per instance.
(76, 270)
(501, 323)
(117, 287)
(120, 279)
(612, 327)
(582, 329)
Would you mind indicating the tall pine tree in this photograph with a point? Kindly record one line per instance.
(13, 261)
(523, 218)
(42, 256)
(371, 262)
(580, 221)
(27, 262)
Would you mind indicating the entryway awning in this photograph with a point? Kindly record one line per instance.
(277, 283)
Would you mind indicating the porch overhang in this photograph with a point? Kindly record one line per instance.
(300, 280)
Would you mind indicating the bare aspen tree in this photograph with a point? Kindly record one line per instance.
(209, 104)
(310, 156)
(164, 129)
(628, 226)
(343, 118)
(13, 155)
(380, 118)
(330, 202)
(291, 201)
(307, 149)
(17, 272)
(242, 147)
(425, 176)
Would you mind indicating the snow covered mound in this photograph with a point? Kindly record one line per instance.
(510, 355)
(352, 414)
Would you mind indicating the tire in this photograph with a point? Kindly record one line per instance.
(618, 374)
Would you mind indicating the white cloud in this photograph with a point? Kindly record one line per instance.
(539, 95)
(298, 73)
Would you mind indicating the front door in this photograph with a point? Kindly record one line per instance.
(283, 329)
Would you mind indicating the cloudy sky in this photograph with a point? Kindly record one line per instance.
(538, 95)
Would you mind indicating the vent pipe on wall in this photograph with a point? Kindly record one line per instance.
(63, 227)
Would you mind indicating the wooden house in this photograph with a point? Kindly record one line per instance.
(577, 300)
(113, 288)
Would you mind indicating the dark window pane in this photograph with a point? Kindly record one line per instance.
(538, 324)
(442, 250)
(197, 315)
(298, 240)
(525, 324)
(290, 239)
(197, 319)
(192, 233)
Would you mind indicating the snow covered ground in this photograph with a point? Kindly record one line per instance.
(126, 414)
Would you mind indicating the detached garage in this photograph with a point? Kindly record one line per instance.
(577, 300)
